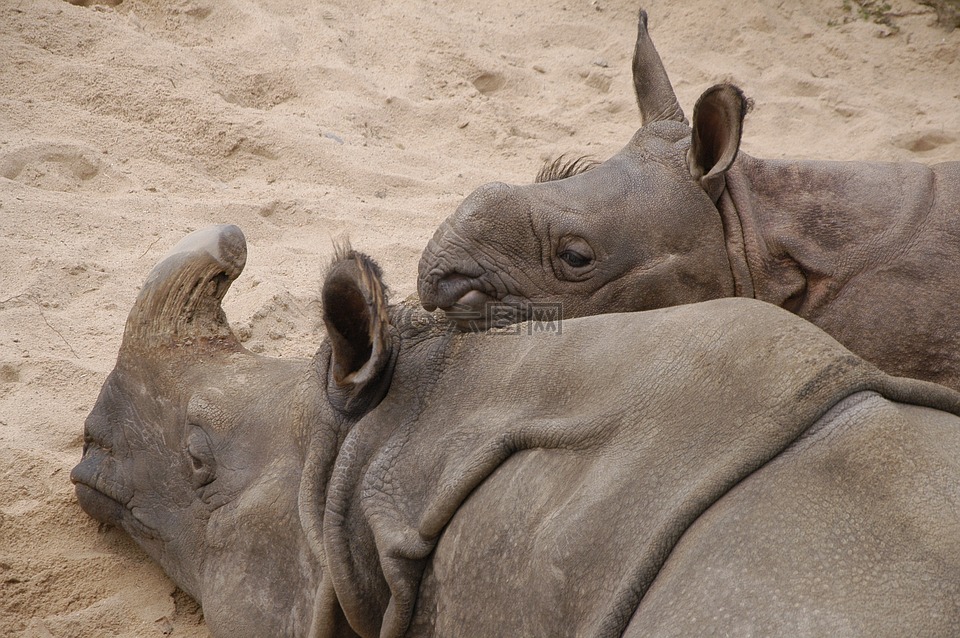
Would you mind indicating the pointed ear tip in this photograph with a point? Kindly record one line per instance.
(727, 88)
(737, 91)
(725, 93)
(740, 98)
(356, 271)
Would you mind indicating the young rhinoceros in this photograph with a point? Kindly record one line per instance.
(870, 252)
(724, 464)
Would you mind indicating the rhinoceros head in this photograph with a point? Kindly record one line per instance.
(639, 231)
(191, 449)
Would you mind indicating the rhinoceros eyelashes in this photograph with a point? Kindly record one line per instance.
(576, 257)
(199, 449)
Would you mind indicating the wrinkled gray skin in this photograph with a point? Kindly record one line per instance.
(867, 251)
(722, 467)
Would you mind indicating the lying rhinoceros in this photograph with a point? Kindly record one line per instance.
(869, 252)
(723, 466)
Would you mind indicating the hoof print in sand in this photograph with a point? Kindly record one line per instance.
(923, 142)
(60, 167)
(261, 91)
(488, 83)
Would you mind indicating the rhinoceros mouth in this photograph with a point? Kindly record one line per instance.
(108, 510)
(106, 504)
(107, 501)
(101, 507)
(476, 310)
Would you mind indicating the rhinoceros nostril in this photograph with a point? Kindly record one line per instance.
(93, 442)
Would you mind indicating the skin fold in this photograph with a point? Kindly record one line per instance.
(724, 465)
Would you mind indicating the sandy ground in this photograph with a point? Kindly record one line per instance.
(123, 128)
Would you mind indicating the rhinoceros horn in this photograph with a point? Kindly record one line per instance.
(180, 302)
(655, 95)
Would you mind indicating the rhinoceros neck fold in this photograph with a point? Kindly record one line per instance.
(620, 446)
(810, 227)
(864, 250)
(736, 245)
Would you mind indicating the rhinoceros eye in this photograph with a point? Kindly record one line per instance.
(202, 462)
(574, 259)
(576, 254)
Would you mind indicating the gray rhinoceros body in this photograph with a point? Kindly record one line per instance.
(867, 251)
(722, 466)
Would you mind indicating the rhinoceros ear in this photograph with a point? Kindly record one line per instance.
(655, 95)
(717, 126)
(179, 303)
(358, 327)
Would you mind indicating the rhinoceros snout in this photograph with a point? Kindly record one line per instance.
(449, 266)
(445, 274)
(446, 291)
(98, 491)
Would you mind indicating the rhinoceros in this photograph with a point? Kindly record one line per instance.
(723, 466)
(870, 252)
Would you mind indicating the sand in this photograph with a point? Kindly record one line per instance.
(124, 127)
